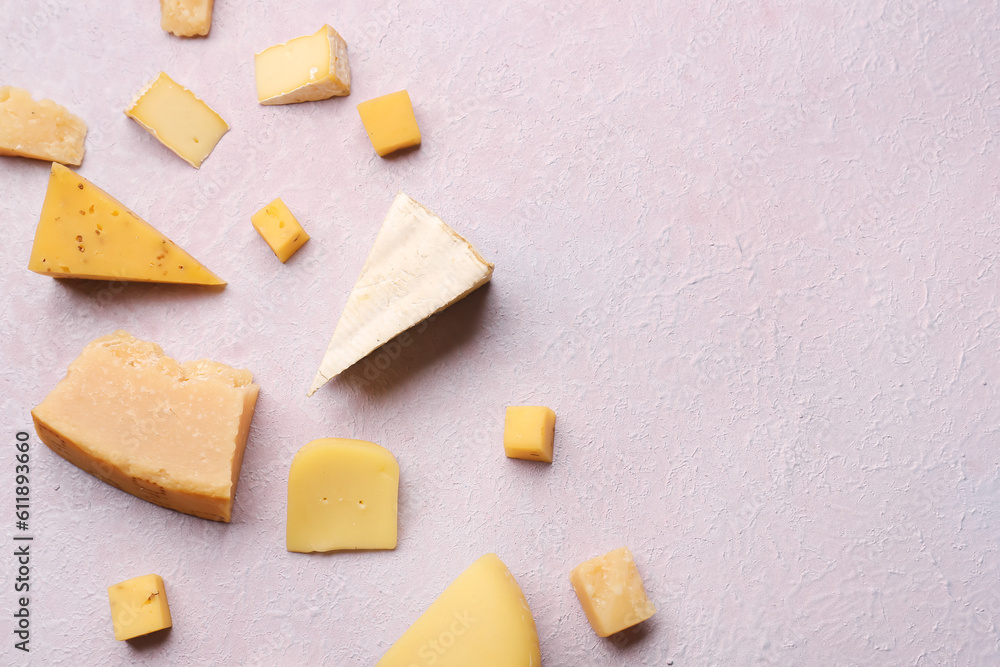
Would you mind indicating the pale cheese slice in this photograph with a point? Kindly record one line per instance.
(482, 619)
(167, 432)
(42, 130)
(417, 267)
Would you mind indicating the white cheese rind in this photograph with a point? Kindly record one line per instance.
(417, 266)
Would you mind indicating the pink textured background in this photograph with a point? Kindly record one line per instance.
(746, 251)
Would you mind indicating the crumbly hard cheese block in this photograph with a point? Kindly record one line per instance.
(481, 619)
(279, 229)
(186, 18)
(166, 432)
(84, 232)
(417, 267)
(611, 592)
(139, 606)
(390, 123)
(181, 121)
(528, 431)
(305, 69)
(342, 494)
(42, 130)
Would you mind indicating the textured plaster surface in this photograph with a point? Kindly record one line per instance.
(746, 250)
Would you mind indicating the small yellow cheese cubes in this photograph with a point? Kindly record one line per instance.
(42, 130)
(181, 121)
(611, 592)
(186, 18)
(139, 606)
(279, 228)
(304, 69)
(342, 495)
(528, 432)
(390, 122)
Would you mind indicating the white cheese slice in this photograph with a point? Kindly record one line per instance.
(417, 267)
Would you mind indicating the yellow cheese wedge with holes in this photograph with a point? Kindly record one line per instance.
(481, 619)
(84, 232)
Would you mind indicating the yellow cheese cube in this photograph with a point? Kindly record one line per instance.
(342, 494)
(304, 69)
(279, 228)
(390, 122)
(181, 121)
(139, 606)
(186, 18)
(528, 431)
(167, 432)
(83, 232)
(611, 592)
(42, 130)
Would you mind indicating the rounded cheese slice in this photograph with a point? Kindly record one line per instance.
(481, 619)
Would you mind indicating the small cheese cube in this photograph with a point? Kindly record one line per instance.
(342, 494)
(181, 121)
(279, 228)
(139, 606)
(42, 130)
(390, 122)
(611, 592)
(304, 69)
(528, 432)
(186, 18)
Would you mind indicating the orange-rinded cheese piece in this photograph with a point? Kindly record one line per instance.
(170, 433)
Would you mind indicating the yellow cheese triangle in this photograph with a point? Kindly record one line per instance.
(481, 619)
(84, 232)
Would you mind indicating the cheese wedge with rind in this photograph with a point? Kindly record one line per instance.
(167, 432)
(305, 69)
(481, 619)
(42, 130)
(417, 266)
(83, 232)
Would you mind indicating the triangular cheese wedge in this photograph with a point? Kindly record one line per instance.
(481, 619)
(84, 232)
(417, 266)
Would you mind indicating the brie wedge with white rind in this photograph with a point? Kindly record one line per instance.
(417, 267)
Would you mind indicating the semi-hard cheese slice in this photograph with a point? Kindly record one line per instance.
(167, 432)
(417, 267)
(84, 232)
(342, 494)
(186, 18)
(304, 69)
(181, 121)
(481, 619)
(42, 130)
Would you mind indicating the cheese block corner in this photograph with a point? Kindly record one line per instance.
(417, 266)
(481, 619)
(167, 432)
(42, 130)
